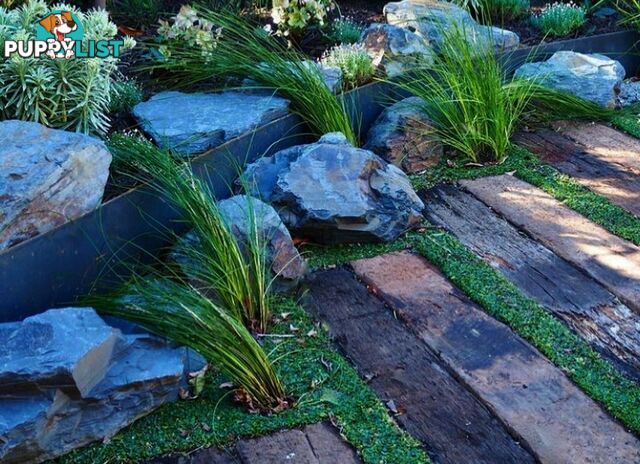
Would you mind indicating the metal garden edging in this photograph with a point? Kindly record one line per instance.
(55, 268)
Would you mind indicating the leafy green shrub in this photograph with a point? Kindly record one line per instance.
(125, 94)
(243, 50)
(182, 313)
(472, 105)
(344, 31)
(500, 11)
(354, 62)
(188, 30)
(292, 17)
(70, 94)
(559, 19)
(135, 13)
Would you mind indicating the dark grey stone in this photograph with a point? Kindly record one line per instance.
(593, 77)
(47, 178)
(396, 49)
(333, 192)
(68, 348)
(430, 18)
(401, 136)
(286, 264)
(145, 373)
(191, 123)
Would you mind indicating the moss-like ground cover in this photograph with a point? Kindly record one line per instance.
(326, 385)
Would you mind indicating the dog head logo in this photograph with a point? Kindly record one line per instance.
(59, 24)
(61, 30)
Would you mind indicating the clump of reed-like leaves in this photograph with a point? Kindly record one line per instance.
(235, 273)
(245, 50)
(473, 105)
(183, 314)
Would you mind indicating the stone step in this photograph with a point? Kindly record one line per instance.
(608, 259)
(314, 444)
(64, 348)
(430, 403)
(597, 156)
(535, 400)
(582, 303)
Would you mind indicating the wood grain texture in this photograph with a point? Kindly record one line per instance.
(533, 397)
(575, 298)
(437, 410)
(598, 157)
(607, 258)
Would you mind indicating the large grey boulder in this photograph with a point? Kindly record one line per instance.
(401, 136)
(283, 259)
(431, 18)
(396, 49)
(37, 353)
(333, 192)
(143, 372)
(593, 77)
(191, 123)
(47, 177)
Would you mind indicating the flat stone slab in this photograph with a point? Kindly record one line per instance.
(191, 123)
(586, 306)
(607, 258)
(61, 348)
(431, 404)
(558, 422)
(598, 157)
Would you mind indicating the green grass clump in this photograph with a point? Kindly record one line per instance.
(326, 385)
(344, 31)
(629, 11)
(559, 19)
(181, 313)
(501, 11)
(245, 50)
(474, 107)
(240, 280)
(125, 94)
(354, 62)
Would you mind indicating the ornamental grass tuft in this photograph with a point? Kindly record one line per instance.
(559, 19)
(245, 50)
(474, 107)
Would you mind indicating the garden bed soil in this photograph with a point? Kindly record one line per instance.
(530, 36)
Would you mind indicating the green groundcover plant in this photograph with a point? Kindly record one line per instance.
(344, 31)
(559, 19)
(242, 49)
(70, 94)
(355, 63)
(474, 107)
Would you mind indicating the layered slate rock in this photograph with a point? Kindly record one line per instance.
(193, 123)
(594, 77)
(286, 264)
(37, 353)
(432, 18)
(396, 49)
(400, 136)
(333, 192)
(142, 373)
(47, 178)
